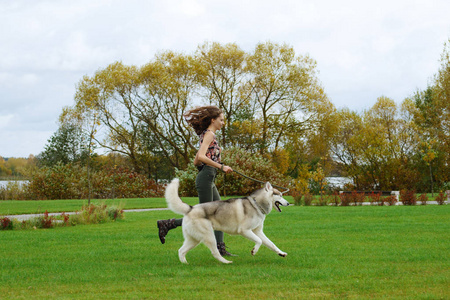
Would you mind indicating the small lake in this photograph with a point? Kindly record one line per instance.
(338, 181)
(4, 183)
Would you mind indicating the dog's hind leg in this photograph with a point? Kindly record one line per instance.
(210, 242)
(189, 243)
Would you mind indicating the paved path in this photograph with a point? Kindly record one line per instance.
(29, 216)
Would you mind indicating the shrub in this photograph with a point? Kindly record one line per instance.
(70, 182)
(297, 197)
(324, 200)
(440, 199)
(357, 198)
(46, 221)
(6, 223)
(65, 219)
(390, 200)
(423, 198)
(13, 190)
(445, 186)
(408, 197)
(307, 199)
(90, 214)
(39, 222)
(345, 199)
(187, 181)
(335, 198)
(251, 164)
(376, 199)
(125, 183)
(95, 214)
(114, 213)
(52, 183)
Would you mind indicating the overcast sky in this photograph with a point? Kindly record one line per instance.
(363, 49)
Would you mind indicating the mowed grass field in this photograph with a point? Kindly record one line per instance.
(367, 252)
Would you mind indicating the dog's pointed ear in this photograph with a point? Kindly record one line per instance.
(268, 186)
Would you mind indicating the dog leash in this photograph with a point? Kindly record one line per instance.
(248, 177)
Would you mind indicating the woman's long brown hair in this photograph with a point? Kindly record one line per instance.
(200, 118)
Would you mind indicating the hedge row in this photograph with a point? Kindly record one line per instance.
(71, 182)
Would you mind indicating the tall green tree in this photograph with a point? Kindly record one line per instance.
(223, 78)
(442, 103)
(432, 117)
(286, 92)
(103, 103)
(169, 84)
(344, 144)
(66, 145)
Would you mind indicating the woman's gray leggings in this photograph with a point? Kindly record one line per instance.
(207, 192)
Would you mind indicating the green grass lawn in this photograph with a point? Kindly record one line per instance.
(333, 252)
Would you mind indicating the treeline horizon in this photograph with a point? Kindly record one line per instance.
(275, 106)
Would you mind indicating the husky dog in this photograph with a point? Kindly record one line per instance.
(244, 216)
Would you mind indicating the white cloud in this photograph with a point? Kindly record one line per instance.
(190, 8)
(5, 120)
(23, 144)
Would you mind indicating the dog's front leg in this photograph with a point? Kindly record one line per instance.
(252, 237)
(268, 243)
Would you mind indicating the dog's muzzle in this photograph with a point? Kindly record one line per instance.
(277, 205)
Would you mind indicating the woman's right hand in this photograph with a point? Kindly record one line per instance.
(227, 169)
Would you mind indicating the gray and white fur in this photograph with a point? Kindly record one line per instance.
(241, 216)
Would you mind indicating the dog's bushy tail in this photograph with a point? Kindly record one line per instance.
(174, 202)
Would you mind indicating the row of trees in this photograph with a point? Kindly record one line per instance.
(386, 147)
(405, 147)
(15, 167)
(275, 106)
(271, 98)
